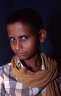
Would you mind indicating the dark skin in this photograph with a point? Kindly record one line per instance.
(24, 43)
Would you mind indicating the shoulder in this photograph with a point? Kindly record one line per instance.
(4, 67)
(49, 63)
(46, 58)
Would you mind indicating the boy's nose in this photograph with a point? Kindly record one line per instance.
(19, 45)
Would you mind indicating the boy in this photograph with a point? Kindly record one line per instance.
(31, 72)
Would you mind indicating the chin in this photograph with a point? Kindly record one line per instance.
(22, 58)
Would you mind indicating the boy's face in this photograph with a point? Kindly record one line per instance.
(23, 40)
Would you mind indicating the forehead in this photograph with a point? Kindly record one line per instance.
(19, 29)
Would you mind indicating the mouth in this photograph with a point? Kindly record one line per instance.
(20, 54)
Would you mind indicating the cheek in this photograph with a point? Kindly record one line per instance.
(30, 46)
(12, 47)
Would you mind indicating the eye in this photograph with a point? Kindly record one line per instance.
(24, 38)
(12, 40)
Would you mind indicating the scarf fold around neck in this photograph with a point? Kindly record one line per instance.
(44, 78)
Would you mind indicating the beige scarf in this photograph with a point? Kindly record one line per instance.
(44, 78)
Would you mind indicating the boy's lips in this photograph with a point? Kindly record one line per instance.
(20, 54)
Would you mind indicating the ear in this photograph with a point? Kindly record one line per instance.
(42, 35)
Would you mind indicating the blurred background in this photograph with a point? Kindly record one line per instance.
(50, 11)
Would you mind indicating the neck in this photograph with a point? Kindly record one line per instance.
(34, 62)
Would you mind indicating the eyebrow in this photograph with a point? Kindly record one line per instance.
(19, 36)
